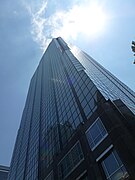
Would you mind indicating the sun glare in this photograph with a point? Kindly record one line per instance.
(91, 20)
(85, 19)
(88, 19)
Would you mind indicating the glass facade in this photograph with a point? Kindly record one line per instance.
(50, 176)
(110, 87)
(65, 90)
(70, 161)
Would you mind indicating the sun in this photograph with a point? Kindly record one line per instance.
(87, 19)
(91, 20)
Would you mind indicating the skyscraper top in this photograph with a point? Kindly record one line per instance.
(110, 86)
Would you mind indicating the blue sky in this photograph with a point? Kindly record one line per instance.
(26, 28)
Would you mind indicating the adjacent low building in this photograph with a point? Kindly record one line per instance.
(4, 172)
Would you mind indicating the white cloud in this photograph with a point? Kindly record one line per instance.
(38, 22)
(86, 18)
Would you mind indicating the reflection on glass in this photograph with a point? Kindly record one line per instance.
(71, 160)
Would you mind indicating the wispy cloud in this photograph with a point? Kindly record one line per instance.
(80, 18)
(38, 23)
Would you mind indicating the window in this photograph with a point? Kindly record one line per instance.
(113, 167)
(96, 133)
(71, 160)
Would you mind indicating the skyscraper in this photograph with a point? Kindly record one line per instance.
(78, 121)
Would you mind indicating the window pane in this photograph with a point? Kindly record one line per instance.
(110, 164)
(103, 132)
(100, 125)
(71, 160)
(113, 167)
(97, 139)
(94, 131)
(117, 175)
(118, 158)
